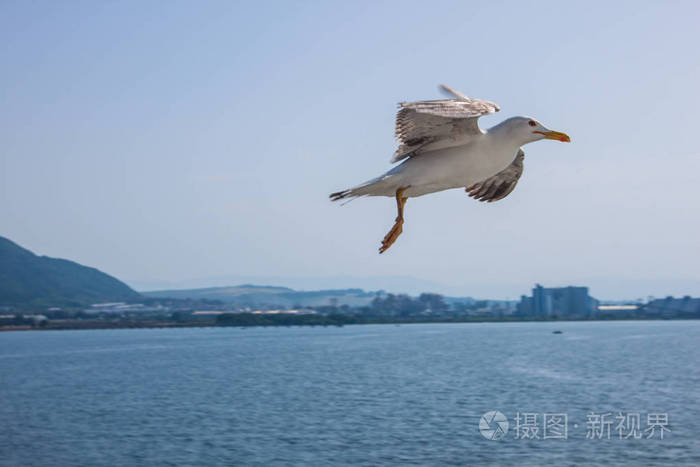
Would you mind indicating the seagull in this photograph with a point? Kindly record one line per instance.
(442, 147)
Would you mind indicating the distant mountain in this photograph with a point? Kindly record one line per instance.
(271, 296)
(392, 284)
(257, 295)
(28, 279)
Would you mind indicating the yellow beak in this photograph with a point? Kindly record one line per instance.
(557, 135)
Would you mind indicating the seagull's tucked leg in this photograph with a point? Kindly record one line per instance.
(396, 230)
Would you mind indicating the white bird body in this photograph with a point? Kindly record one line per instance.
(460, 165)
(442, 147)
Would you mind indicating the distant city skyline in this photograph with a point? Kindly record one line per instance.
(567, 301)
(182, 142)
(607, 289)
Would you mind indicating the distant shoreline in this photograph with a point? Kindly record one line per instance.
(337, 321)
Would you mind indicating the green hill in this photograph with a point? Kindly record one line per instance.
(256, 295)
(30, 280)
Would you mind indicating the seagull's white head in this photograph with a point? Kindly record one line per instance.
(528, 130)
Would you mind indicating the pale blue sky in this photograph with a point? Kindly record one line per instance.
(196, 142)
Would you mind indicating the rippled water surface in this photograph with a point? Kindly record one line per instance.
(386, 394)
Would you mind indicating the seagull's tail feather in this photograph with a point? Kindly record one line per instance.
(338, 195)
(374, 187)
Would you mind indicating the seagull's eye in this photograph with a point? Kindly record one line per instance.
(532, 123)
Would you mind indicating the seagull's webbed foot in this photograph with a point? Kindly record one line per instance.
(391, 237)
(397, 229)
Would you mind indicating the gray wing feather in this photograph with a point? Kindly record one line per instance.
(419, 124)
(500, 185)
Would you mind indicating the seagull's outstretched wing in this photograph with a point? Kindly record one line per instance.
(500, 185)
(426, 125)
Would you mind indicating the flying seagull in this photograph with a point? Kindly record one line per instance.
(442, 147)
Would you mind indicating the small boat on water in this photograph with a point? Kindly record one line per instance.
(557, 332)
